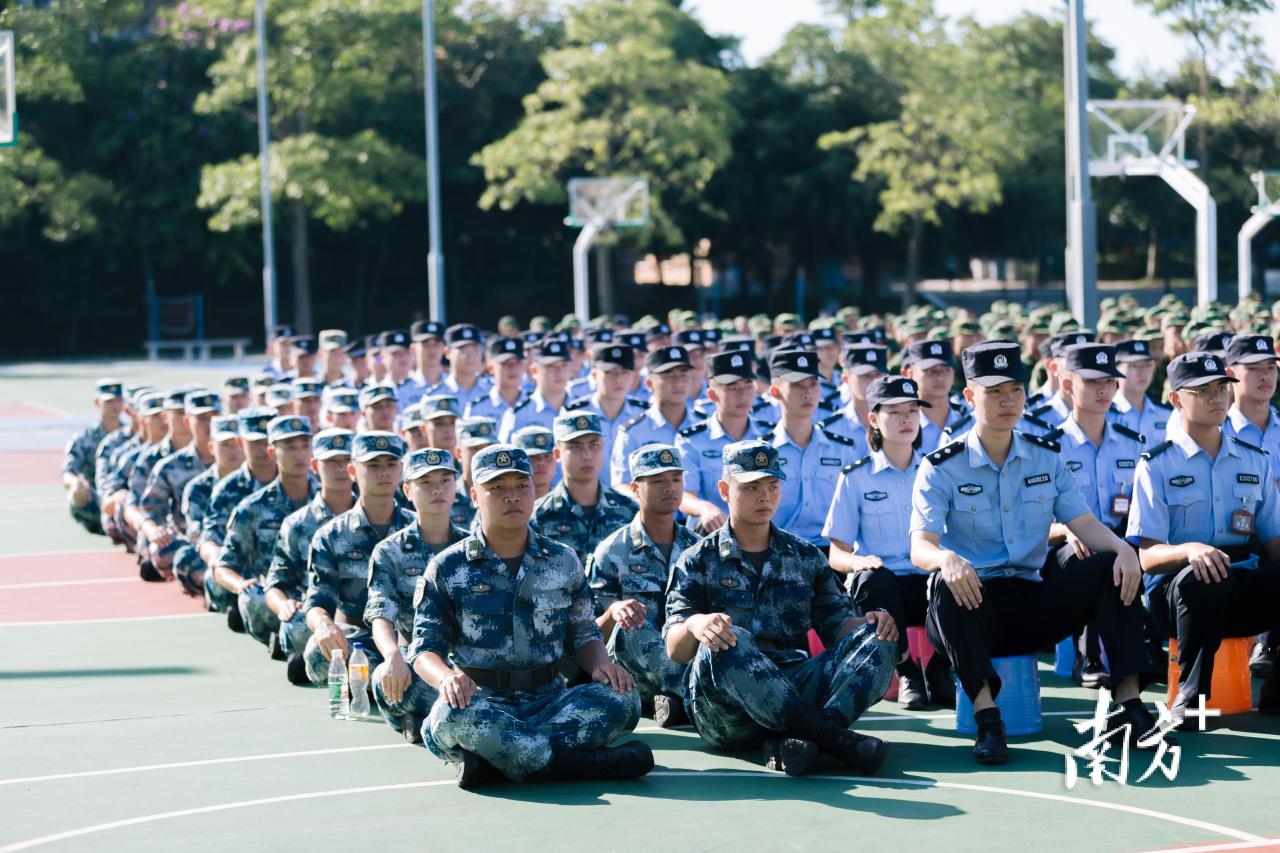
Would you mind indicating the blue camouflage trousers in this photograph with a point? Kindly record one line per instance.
(295, 633)
(318, 665)
(189, 568)
(88, 516)
(217, 597)
(260, 621)
(515, 731)
(114, 525)
(642, 652)
(738, 696)
(415, 703)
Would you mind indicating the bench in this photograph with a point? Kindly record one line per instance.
(192, 349)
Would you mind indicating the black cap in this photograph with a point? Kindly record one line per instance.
(597, 335)
(864, 358)
(1058, 343)
(613, 355)
(530, 338)
(892, 390)
(631, 338)
(711, 336)
(282, 330)
(1216, 342)
(730, 366)
(1128, 352)
(738, 343)
(394, 338)
(1192, 369)
(658, 331)
(771, 342)
(462, 333)
(505, 349)
(927, 354)
(550, 351)
(799, 340)
(1251, 349)
(1092, 361)
(793, 365)
(305, 344)
(823, 335)
(690, 338)
(994, 362)
(666, 358)
(424, 329)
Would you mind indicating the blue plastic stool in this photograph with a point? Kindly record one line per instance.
(1065, 657)
(1019, 699)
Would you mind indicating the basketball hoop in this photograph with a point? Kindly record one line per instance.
(597, 205)
(1267, 209)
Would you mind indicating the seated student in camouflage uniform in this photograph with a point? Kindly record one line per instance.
(740, 605)
(255, 524)
(164, 525)
(628, 574)
(492, 617)
(411, 428)
(258, 470)
(127, 435)
(395, 569)
(340, 408)
(286, 582)
(177, 437)
(581, 510)
(474, 434)
(307, 393)
(338, 569)
(78, 458)
(378, 407)
(236, 395)
(188, 565)
(115, 487)
(537, 443)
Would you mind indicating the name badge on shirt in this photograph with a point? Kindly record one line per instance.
(711, 454)
(1037, 480)
(875, 496)
(970, 489)
(1074, 466)
(638, 568)
(1181, 480)
(827, 460)
(1252, 479)
(1126, 463)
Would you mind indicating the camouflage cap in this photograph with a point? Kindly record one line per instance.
(332, 443)
(109, 389)
(534, 440)
(747, 461)
(423, 461)
(333, 339)
(375, 443)
(569, 426)
(278, 395)
(411, 417)
(477, 432)
(201, 402)
(288, 426)
(253, 423)
(654, 459)
(175, 400)
(498, 459)
(308, 388)
(341, 399)
(440, 406)
(150, 403)
(376, 393)
(224, 427)
(236, 385)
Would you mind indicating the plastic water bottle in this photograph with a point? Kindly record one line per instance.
(339, 708)
(358, 680)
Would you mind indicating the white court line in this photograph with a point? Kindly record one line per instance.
(741, 774)
(84, 582)
(79, 553)
(1233, 845)
(64, 622)
(143, 768)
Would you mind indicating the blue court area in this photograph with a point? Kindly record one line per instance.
(137, 724)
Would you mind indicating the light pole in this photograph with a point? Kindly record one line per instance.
(1082, 216)
(435, 255)
(264, 169)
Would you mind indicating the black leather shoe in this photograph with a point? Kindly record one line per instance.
(1269, 696)
(274, 648)
(911, 687)
(296, 671)
(990, 747)
(474, 771)
(668, 711)
(937, 675)
(234, 620)
(791, 755)
(631, 760)
(1143, 733)
(1262, 661)
(1090, 674)
(412, 724)
(148, 572)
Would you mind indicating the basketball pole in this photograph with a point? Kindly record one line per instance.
(264, 174)
(435, 254)
(1082, 215)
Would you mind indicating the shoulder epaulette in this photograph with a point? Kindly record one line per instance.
(1042, 441)
(828, 421)
(968, 416)
(637, 419)
(831, 399)
(518, 406)
(1039, 422)
(693, 430)
(759, 404)
(1157, 450)
(1054, 435)
(760, 422)
(942, 454)
(1255, 448)
(852, 465)
(837, 437)
(1130, 433)
(636, 401)
(577, 404)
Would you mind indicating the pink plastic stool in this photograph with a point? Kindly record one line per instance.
(919, 649)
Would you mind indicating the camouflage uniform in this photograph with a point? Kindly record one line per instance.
(226, 496)
(469, 609)
(250, 545)
(338, 580)
(114, 478)
(161, 500)
(738, 695)
(187, 561)
(628, 565)
(79, 459)
(463, 513)
(288, 571)
(558, 517)
(398, 562)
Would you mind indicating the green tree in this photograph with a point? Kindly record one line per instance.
(634, 92)
(329, 64)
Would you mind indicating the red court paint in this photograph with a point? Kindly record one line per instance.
(28, 410)
(91, 601)
(30, 469)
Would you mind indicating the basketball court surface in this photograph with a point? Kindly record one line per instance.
(132, 720)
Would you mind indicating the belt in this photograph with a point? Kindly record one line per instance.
(512, 679)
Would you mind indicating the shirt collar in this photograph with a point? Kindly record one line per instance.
(978, 456)
(1240, 422)
(1189, 448)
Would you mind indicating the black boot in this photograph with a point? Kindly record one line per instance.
(911, 686)
(148, 572)
(990, 747)
(1269, 695)
(474, 771)
(937, 674)
(631, 760)
(833, 736)
(274, 647)
(234, 620)
(668, 711)
(791, 755)
(411, 728)
(296, 670)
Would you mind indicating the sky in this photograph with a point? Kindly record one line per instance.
(1142, 41)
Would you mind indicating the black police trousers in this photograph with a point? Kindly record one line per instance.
(1202, 614)
(904, 597)
(1020, 617)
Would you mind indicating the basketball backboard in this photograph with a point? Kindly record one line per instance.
(8, 93)
(1268, 184)
(1127, 133)
(608, 202)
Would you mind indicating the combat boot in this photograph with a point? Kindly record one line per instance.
(791, 755)
(668, 711)
(631, 760)
(831, 732)
(474, 771)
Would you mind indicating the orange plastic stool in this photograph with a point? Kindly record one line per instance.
(1231, 691)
